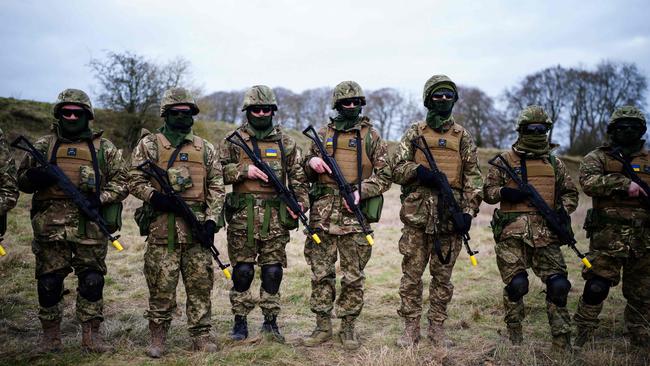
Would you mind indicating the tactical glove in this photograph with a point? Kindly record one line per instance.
(513, 195)
(162, 202)
(426, 177)
(40, 178)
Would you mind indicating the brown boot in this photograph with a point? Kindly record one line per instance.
(204, 343)
(437, 336)
(91, 340)
(411, 334)
(322, 333)
(348, 338)
(515, 334)
(561, 343)
(158, 336)
(51, 341)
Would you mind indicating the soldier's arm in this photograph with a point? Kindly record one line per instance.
(312, 176)
(8, 183)
(380, 179)
(116, 188)
(216, 193)
(567, 188)
(494, 181)
(28, 162)
(595, 182)
(295, 173)
(403, 166)
(233, 170)
(472, 179)
(139, 184)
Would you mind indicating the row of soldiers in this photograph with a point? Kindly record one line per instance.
(258, 222)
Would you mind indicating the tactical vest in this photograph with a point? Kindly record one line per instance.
(345, 147)
(445, 149)
(191, 158)
(540, 174)
(641, 165)
(271, 152)
(70, 157)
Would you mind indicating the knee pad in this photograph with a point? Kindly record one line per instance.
(557, 289)
(518, 287)
(596, 290)
(91, 285)
(271, 278)
(242, 276)
(50, 288)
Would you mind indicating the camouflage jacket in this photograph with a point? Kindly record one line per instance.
(58, 219)
(235, 172)
(419, 203)
(8, 185)
(531, 227)
(141, 186)
(328, 213)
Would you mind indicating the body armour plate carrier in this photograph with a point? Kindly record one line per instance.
(345, 147)
(445, 149)
(540, 174)
(641, 165)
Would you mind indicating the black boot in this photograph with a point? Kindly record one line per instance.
(270, 327)
(240, 329)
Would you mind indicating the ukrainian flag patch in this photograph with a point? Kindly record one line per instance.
(636, 167)
(271, 152)
(330, 141)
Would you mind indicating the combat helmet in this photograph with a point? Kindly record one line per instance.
(259, 95)
(533, 114)
(76, 97)
(433, 83)
(345, 90)
(178, 96)
(627, 112)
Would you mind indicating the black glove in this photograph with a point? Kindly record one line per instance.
(162, 202)
(94, 201)
(207, 234)
(40, 178)
(426, 177)
(513, 195)
(463, 221)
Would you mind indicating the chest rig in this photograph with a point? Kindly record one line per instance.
(269, 151)
(641, 166)
(445, 149)
(539, 173)
(188, 159)
(348, 149)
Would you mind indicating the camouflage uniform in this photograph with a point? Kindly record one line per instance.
(8, 185)
(422, 224)
(522, 237)
(618, 228)
(63, 239)
(171, 250)
(340, 230)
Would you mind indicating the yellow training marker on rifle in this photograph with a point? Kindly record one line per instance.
(474, 261)
(370, 240)
(586, 262)
(226, 273)
(117, 245)
(2, 251)
(316, 238)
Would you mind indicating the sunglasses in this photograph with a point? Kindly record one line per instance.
(443, 94)
(260, 109)
(180, 112)
(354, 102)
(68, 113)
(625, 126)
(535, 129)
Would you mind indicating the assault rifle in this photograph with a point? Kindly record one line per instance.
(629, 172)
(185, 211)
(285, 194)
(447, 204)
(555, 222)
(62, 180)
(345, 189)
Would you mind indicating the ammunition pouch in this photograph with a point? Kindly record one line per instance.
(87, 179)
(112, 214)
(500, 220)
(235, 202)
(144, 216)
(372, 207)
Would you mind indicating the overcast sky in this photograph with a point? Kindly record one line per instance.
(304, 44)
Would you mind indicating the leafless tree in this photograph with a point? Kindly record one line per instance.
(476, 112)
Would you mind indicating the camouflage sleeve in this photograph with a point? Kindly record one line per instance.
(116, 187)
(8, 184)
(472, 179)
(595, 182)
(311, 175)
(233, 171)
(28, 162)
(566, 187)
(494, 181)
(139, 184)
(380, 180)
(295, 173)
(403, 166)
(216, 193)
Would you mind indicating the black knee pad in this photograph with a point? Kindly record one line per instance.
(271, 278)
(91, 285)
(518, 287)
(50, 288)
(557, 289)
(596, 290)
(242, 276)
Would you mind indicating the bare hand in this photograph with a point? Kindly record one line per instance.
(319, 166)
(635, 190)
(356, 201)
(293, 215)
(255, 173)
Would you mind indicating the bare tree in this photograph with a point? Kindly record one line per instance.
(383, 107)
(224, 106)
(476, 112)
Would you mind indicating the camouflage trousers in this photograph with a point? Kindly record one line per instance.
(417, 250)
(354, 251)
(262, 252)
(162, 270)
(61, 257)
(513, 257)
(636, 289)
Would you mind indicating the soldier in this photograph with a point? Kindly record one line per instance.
(63, 238)
(193, 166)
(363, 158)
(522, 236)
(425, 232)
(258, 222)
(618, 228)
(8, 185)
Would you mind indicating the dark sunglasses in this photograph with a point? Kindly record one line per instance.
(443, 94)
(68, 113)
(355, 102)
(180, 112)
(626, 126)
(260, 109)
(535, 129)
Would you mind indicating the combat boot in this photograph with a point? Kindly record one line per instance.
(204, 343)
(91, 340)
(51, 341)
(322, 333)
(348, 338)
(411, 334)
(270, 327)
(239, 329)
(640, 340)
(437, 335)
(515, 334)
(158, 337)
(585, 334)
(561, 343)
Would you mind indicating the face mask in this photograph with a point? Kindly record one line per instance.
(534, 144)
(346, 117)
(74, 128)
(626, 134)
(262, 126)
(180, 123)
(442, 107)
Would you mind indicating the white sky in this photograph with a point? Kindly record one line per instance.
(307, 44)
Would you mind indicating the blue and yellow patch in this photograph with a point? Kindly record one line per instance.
(184, 157)
(271, 153)
(72, 151)
(636, 167)
(329, 142)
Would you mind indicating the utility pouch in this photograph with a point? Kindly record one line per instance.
(590, 222)
(87, 179)
(286, 220)
(233, 204)
(372, 207)
(144, 216)
(112, 214)
(497, 224)
(180, 178)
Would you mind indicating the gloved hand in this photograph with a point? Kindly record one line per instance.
(94, 201)
(425, 177)
(513, 195)
(40, 178)
(207, 235)
(464, 221)
(162, 202)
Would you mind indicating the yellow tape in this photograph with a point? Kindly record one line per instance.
(226, 273)
(2, 251)
(474, 261)
(117, 245)
(586, 262)
(316, 238)
(370, 240)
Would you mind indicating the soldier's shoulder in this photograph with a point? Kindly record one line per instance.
(45, 140)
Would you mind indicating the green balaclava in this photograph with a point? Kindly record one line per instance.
(628, 139)
(75, 129)
(177, 127)
(439, 111)
(261, 126)
(534, 144)
(346, 118)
